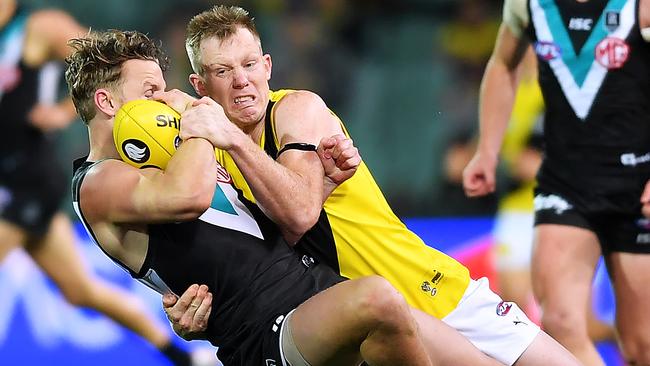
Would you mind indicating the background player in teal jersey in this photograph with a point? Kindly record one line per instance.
(593, 70)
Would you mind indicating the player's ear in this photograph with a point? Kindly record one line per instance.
(105, 103)
(268, 65)
(198, 84)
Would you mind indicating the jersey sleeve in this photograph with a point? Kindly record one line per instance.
(515, 16)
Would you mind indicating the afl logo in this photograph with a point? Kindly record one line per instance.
(177, 142)
(612, 52)
(547, 51)
(136, 150)
(503, 308)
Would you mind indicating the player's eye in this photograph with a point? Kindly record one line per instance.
(221, 72)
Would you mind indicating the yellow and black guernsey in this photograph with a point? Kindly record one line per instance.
(358, 234)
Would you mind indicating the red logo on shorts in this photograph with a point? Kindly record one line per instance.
(503, 308)
(612, 52)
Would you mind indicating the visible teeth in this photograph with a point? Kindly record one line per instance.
(242, 99)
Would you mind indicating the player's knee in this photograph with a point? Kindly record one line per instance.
(636, 350)
(380, 302)
(564, 325)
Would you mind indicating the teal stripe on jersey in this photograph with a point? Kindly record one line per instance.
(221, 203)
(579, 64)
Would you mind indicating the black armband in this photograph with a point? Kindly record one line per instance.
(297, 146)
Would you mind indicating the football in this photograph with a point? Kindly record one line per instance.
(146, 133)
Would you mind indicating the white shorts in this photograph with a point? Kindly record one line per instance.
(513, 239)
(498, 328)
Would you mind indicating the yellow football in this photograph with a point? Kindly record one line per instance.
(146, 133)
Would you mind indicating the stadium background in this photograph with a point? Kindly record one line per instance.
(402, 74)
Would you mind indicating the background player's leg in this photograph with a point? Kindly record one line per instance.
(563, 267)
(364, 318)
(57, 255)
(630, 274)
(598, 330)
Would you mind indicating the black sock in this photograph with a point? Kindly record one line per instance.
(177, 355)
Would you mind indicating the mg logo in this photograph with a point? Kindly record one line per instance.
(612, 52)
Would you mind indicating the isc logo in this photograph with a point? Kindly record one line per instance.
(168, 121)
(580, 24)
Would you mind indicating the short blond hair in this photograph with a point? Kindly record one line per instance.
(220, 22)
(96, 62)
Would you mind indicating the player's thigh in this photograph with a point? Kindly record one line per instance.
(630, 274)
(329, 327)
(446, 346)
(563, 263)
(544, 351)
(57, 254)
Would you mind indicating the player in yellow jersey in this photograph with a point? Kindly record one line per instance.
(270, 154)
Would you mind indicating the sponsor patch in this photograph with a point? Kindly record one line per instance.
(612, 53)
(551, 202)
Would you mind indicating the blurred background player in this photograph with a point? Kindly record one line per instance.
(521, 156)
(32, 183)
(593, 71)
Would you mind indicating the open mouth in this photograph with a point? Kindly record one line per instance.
(244, 100)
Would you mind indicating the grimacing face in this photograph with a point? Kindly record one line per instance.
(237, 76)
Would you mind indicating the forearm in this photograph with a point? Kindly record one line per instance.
(497, 95)
(189, 179)
(328, 188)
(289, 197)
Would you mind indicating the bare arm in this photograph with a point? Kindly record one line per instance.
(497, 95)
(116, 192)
(47, 40)
(290, 191)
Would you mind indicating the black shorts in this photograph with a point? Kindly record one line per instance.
(31, 194)
(616, 231)
(271, 346)
(260, 348)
